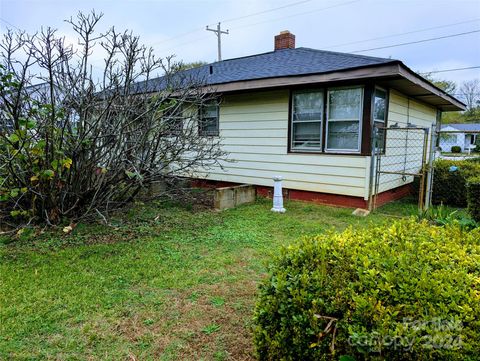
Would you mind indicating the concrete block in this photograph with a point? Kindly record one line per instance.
(230, 197)
(361, 212)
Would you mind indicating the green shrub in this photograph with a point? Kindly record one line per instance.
(456, 149)
(473, 197)
(450, 181)
(385, 293)
(442, 216)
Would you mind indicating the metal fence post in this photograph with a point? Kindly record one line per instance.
(421, 194)
(430, 169)
(372, 167)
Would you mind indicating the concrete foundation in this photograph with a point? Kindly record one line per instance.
(230, 197)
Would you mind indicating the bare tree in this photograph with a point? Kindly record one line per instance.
(79, 139)
(470, 91)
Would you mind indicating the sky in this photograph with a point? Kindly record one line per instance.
(178, 27)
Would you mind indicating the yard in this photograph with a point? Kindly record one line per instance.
(166, 283)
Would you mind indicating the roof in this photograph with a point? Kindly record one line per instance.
(304, 66)
(466, 127)
(278, 63)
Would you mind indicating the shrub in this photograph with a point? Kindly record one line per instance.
(456, 149)
(473, 197)
(442, 216)
(384, 293)
(450, 180)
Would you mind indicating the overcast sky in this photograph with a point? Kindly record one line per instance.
(178, 27)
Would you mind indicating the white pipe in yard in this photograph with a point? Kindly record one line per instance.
(277, 195)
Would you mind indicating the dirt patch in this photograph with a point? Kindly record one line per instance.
(209, 322)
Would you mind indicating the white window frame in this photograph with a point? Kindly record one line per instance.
(387, 99)
(201, 131)
(292, 107)
(360, 121)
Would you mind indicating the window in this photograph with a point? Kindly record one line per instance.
(307, 114)
(344, 119)
(173, 120)
(380, 117)
(208, 123)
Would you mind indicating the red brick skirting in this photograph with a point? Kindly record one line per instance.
(316, 197)
(394, 194)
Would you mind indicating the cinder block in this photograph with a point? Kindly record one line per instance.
(230, 197)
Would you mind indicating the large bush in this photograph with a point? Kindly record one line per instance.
(450, 181)
(77, 143)
(456, 149)
(408, 291)
(473, 197)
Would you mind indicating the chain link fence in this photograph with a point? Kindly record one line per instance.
(449, 178)
(399, 163)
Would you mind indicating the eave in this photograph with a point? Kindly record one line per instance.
(394, 75)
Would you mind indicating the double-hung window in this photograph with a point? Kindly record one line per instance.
(307, 116)
(380, 117)
(173, 120)
(344, 114)
(209, 120)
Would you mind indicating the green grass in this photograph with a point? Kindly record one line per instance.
(165, 283)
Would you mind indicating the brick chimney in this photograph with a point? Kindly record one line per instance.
(284, 40)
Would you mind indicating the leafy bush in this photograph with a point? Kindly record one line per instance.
(450, 181)
(408, 291)
(456, 149)
(477, 145)
(473, 197)
(77, 146)
(442, 216)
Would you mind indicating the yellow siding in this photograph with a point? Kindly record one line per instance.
(254, 131)
(402, 111)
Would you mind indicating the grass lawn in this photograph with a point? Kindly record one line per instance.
(167, 283)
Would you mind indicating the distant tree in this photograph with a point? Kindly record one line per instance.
(453, 117)
(470, 92)
(448, 86)
(185, 66)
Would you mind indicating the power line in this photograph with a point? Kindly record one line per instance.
(405, 33)
(261, 22)
(9, 23)
(297, 14)
(418, 41)
(266, 11)
(234, 19)
(449, 70)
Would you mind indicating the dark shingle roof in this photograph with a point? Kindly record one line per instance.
(279, 63)
(467, 127)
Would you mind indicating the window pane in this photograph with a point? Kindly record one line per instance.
(380, 139)
(209, 120)
(343, 135)
(209, 125)
(307, 106)
(306, 135)
(173, 120)
(210, 111)
(379, 105)
(345, 103)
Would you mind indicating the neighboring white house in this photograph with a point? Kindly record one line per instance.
(462, 135)
(308, 115)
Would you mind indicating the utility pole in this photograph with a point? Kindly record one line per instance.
(218, 32)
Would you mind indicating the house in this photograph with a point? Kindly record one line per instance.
(308, 115)
(464, 136)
